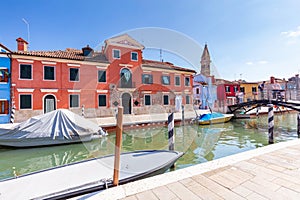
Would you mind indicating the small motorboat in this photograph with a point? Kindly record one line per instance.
(54, 128)
(87, 176)
(214, 118)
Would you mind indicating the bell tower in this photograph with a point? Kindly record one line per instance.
(205, 62)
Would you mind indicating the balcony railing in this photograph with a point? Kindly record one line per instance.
(126, 85)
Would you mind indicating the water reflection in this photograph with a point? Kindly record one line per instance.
(200, 144)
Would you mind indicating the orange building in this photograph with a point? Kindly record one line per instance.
(96, 81)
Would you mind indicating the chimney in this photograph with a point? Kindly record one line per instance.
(22, 44)
(87, 51)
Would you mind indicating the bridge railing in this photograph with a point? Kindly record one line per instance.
(269, 94)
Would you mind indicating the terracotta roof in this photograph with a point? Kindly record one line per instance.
(165, 65)
(69, 53)
(223, 81)
(4, 47)
(21, 40)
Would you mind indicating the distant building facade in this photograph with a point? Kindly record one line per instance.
(97, 82)
(227, 92)
(5, 93)
(250, 90)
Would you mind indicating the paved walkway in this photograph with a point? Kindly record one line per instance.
(271, 172)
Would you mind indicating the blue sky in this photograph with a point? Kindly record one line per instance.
(252, 39)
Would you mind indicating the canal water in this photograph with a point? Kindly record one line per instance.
(200, 144)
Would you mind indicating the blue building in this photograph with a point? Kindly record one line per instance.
(5, 96)
(205, 92)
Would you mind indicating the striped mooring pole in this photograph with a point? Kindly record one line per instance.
(171, 131)
(298, 123)
(271, 123)
(12, 114)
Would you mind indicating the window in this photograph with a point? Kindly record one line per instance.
(49, 73)
(242, 89)
(197, 91)
(74, 74)
(4, 107)
(165, 80)
(235, 88)
(227, 89)
(254, 89)
(101, 100)
(166, 99)
(4, 75)
(25, 71)
(187, 81)
(177, 80)
(74, 101)
(116, 53)
(187, 99)
(101, 76)
(134, 56)
(147, 100)
(147, 79)
(25, 101)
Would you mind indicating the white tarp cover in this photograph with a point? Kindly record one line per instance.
(58, 124)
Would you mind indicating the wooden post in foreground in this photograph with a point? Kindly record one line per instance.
(118, 146)
(182, 115)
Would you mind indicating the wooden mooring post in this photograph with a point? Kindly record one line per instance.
(118, 146)
(182, 115)
(298, 125)
(271, 123)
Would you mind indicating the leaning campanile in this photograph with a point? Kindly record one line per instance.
(205, 62)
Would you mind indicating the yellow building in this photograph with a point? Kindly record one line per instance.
(250, 90)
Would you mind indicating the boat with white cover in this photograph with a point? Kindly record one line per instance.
(87, 176)
(54, 128)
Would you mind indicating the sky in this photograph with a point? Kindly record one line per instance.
(250, 40)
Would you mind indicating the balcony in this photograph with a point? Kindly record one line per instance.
(123, 84)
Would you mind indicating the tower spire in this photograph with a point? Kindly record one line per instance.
(205, 61)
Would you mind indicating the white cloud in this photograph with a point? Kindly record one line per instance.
(262, 62)
(292, 33)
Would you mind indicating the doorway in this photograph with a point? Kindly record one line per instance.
(49, 103)
(126, 103)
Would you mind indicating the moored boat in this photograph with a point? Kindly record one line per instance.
(54, 128)
(87, 176)
(214, 118)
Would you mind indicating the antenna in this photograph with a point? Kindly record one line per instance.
(160, 55)
(28, 33)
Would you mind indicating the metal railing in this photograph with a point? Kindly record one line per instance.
(126, 85)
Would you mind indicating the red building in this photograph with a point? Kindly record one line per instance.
(98, 81)
(227, 92)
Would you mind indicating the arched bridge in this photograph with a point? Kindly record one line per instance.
(250, 105)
